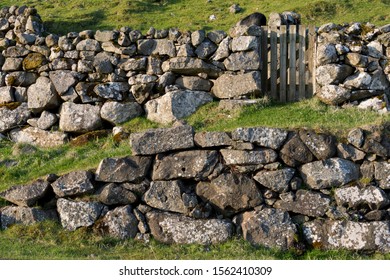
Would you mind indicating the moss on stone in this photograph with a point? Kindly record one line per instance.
(33, 61)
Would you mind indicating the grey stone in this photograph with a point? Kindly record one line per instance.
(307, 203)
(47, 120)
(186, 50)
(138, 189)
(208, 139)
(86, 93)
(11, 215)
(10, 119)
(357, 60)
(248, 61)
(333, 172)
(26, 195)
(88, 45)
(359, 80)
(62, 80)
(102, 63)
(126, 169)
(333, 74)
(321, 145)
(65, 44)
(21, 78)
(175, 105)
(142, 92)
(196, 164)
(79, 214)
(106, 35)
(16, 51)
(230, 193)
(79, 117)
(223, 50)
(277, 180)
(349, 152)
(173, 228)
(356, 137)
(326, 54)
(73, 184)
(263, 136)
(245, 43)
(12, 64)
(114, 194)
(113, 90)
(205, 49)
(190, 66)
(154, 66)
(119, 223)
(6, 95)
(269, 227)
(133, 64)
(333, 94)
(197, 37)
(42, 96)
(294, 152)
(194, 83)
(228, 85)
(38, 137)
(118, 112)
(255, 157)
(156, 47)
(357, 197)
(382, 174)
(216, 36)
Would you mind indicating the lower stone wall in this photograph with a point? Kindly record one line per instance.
(273, 187)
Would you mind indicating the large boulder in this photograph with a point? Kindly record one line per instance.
(173, 228)
(326, 54)
(26, 195)
(268, 227)
(175, 105)
(229, 85)
(38, 137)
(333, 74)
(276, 180)
(333, 94)
(10, 119)
(73, 183)
(230, 193)
(357, 197)
(79, 118)
(42, 96)
(154, 141)
(262, 136)
(11, 215)
(120, 112)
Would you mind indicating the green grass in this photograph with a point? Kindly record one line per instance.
(62, 16)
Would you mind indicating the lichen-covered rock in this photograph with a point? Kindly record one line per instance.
(262, 136)
(245, 43)
(33, 61)
(294, 152)
(333, 94)
(190, 66)
(62, 80)
(382, 174)
(11, 215)
(333, 74)
(277, 180)
(242, 157)
(268, 227)
(249, 61)
(120, 112)
(47, 120)
(194, 83)
(74, 183)
(173, 228)
(333, 172)
(326, 54)
(10, 119)
(39, 137)
(126, 169)
(42, 96)
(114, 194)
(229, 85)
(79, 214)
(197, 164)
(356, 197)
(230, 193)
(6, 95)
(79, 118)
(21, 78)
(112, 90)
(156, 47)
(349, 152)
(26, 195)
(154, 141)
(208, 139)
(321, 145)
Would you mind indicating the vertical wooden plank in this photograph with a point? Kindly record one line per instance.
(274, 62)
(264, 59)
(292, 64)
(283, 64)
(302, 62)
(311, 56)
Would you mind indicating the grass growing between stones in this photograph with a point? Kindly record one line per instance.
(48, 241)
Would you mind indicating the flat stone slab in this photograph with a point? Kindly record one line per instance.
(11, 215)
(26, 195)
(262, 136)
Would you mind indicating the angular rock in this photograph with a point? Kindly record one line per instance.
(326, 54)
(322, 146)
(89, 45)
(248, 61)
(73, 184)
(359, 80)
(382, 174)
(333, 95)
(106, 35)
(333, 172)
(16, 51)
(190, 66)
(119, 223)
(194, 83)
(173, 228)
(62, 80)
(356, 137)
(356, 197)
(357, 60)
(208, 139)
(6, 95)
(11, 215)
(240, 157)
(79, 118)
(228, 85)
(197, 164)
(47, 120)
(349, 152)
(118, 112)
(333, 74)
(10, 119)
(156, 47)
(26, 195)
(142, 92)
(307, 203)
(79, 214)
(205, 49)
(223, 50)
(295, 152)
(21, 78)
(197, 37)
(126, 169)
(42, 96)
(230, 193)
(175, 105)
(33, 61)
(245, 43)
(133, 64)
(277, 180)
(262, 136)
(102, 63)
(12, 64)
(269, 227)
(216, 36)
(113, 194)
(112, 90)
(38, 137)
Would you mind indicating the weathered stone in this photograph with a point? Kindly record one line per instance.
(216, 36)
(118, 112)
(322, 146)
(11, 215)
(206, 139)
(359, 80)
(245, 43)
(356, 197)
(26, 195)
(106, 35)
(79, 214)
(197, 37)
(38, 137)
(269, 227)
(113, 90)
(126, 169)
(333, 172)
(47, 120)
(382, 174)
(33, 61)
(190, 66)
(12, 64)
(10, 119)
(89, 45)
(371, 146)
(307, 203)
(277, 180)
(295, 152)
(133, 64)
(62, 80)
(156, 47)
(194, 83)
(333, 94)
(240, 157)
(175, 105)
(154, 66)
(349, 152)
(102, 63)
(79, 117)
(113, 194)
(379, 80)
(263, 136)
(333, 74)
(230, 193)
(42, 95)
(74, 183)
(173, 228)
(142, 92)
(16, 51)
(119, 223)
(356, 137)
(7, 95)
(197, 164)
(229, 85)
(205, 49)
(169, 196)
(326, 54)
(248, 61)
(223, 50)
(376, 215)
(21, 78)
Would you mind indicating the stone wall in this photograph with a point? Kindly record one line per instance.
(273, 187)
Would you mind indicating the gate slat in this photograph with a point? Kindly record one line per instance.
(283, 64)
(302, 62)
(264, 59)
(292, 64)
(311, 57)
(274, 62)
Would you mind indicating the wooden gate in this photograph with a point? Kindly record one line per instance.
(288, 62)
